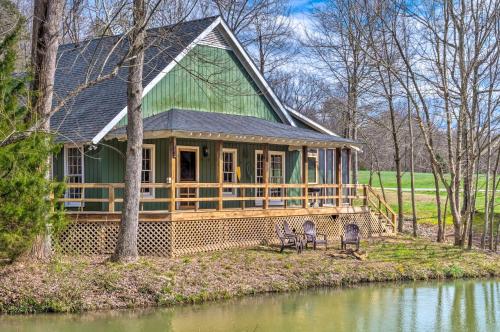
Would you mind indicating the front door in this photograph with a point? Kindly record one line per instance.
(187, 172)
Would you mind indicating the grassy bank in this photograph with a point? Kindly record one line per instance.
(73, 284)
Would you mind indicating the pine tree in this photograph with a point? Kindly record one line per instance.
(25, 210)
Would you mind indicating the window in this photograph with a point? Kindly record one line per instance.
(276, 174)
(147, 171)
(312, 167)
(259, 173)
(188, 172)
(229, 162)
(73, 172)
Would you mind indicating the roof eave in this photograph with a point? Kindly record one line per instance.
(165, 133)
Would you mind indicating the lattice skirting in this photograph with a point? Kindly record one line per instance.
(99, 237)
(166, 238)
(195, 236)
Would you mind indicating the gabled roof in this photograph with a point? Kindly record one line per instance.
(189, 123)
(310, 122)
(98, 109)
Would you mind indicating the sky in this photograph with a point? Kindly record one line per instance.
(299, 7)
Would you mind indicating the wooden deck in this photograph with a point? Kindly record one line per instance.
(209, 214)
(178, 232)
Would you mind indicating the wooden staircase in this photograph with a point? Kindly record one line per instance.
(378, 206)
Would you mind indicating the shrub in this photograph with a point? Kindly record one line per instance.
(25, 188)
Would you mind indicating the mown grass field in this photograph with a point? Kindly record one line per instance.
(425, 200)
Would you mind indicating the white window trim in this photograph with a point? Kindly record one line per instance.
(283, 173)
(234, 191)
(151, 194)
(281, 153)
(80, 149)
(314, 155)
(196, 149)
(258, 202)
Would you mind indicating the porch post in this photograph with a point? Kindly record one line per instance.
(305, 177)
(265, 152)
(338, 171)
(218, 173)
(349, 191)
(173, 172)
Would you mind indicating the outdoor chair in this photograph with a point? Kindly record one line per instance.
(311, 235)
(287, 230)
(351, 236)
(288, 240)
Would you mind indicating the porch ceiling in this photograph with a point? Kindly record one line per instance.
(219, 126)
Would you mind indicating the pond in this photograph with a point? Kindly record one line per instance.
(472, 305)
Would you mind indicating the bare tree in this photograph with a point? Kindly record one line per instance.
(454, 49)
(47, 16)
(126, 245)
(336, 44)
(385, 62)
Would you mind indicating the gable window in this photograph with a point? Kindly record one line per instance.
(148, 169)
(229, 159)
(73, 172)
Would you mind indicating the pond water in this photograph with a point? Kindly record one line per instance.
(434, 306)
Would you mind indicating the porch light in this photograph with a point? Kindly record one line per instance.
(205, 151)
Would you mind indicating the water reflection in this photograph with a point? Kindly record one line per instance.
(452, 306)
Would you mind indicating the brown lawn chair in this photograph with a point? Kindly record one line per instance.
(351, 236)
(312, 236)
(288, 240)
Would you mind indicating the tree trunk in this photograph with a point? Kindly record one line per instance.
(440, 235)
(486, 192)
(397, 162)
(126, 245)
(492, 206)
(412, 161)
(47, 16)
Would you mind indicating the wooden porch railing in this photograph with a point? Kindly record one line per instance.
(290, 196)
(324, 194)
(375, 201)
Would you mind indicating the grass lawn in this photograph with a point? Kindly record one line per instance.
(422, 180)
(425, 200)
(78, 283)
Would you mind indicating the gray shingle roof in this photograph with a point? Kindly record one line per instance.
(178, 120)
(86, 114)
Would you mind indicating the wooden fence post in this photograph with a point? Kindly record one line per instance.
(173, 172)
(365, 193)
(265, 152)
(338, 175)
(219, 174)
(305, 177)
(111, 198)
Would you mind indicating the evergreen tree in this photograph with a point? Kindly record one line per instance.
(25, 187)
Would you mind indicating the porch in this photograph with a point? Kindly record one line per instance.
(212, 181)
(185, 231)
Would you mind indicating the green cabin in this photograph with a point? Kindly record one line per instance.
(219, 145)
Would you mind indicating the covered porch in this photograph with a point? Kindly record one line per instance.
(212, 180)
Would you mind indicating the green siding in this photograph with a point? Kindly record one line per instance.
(212, 80)
(106, 164)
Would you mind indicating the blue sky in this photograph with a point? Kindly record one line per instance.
(303, 6)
